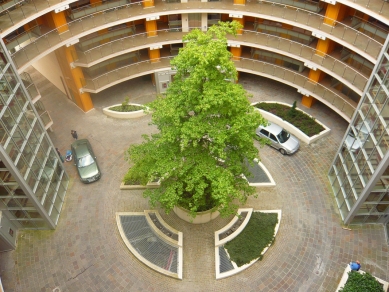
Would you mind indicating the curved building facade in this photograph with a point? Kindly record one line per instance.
(329, 51)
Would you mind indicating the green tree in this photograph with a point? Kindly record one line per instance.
(206, 129)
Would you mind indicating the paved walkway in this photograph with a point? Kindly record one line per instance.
(86, 253)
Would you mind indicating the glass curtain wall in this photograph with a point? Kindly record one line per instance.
(33, 181)
(359, 175)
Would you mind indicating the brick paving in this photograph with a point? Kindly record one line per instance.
(86, 253)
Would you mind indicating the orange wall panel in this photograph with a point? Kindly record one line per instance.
(151, 28)
(154, 55)
(236, 53)
(148, 3)
(60, 22)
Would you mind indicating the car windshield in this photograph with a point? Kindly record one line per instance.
(283, 136)
(85, 161)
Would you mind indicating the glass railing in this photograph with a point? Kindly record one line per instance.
(289, 47)
(334, 67)
(13, 12)
(379, 6)
(126, 44)
(30, 86)
(339, 103)
(357, 40)
(124, 73)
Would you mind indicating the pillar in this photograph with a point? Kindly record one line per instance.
(75, 77)
(148, 3)
(151, 27)
(239, 2)
(241, 21)
(154, 55)
(59, 21)
(335, 13)
(236, 53)
(324, 47)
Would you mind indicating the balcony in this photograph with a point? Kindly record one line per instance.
(32, 49)
(340, 103)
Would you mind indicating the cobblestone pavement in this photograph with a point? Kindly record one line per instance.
(86, 253)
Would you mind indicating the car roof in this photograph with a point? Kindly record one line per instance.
(272, 128)
(81, 147)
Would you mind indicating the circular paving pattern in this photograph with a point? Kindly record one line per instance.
(86, 253)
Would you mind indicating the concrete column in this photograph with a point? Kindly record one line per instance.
(151, 27)
(74, 77)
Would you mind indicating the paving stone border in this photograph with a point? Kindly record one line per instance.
(289, 127)
(220, 240)
(124, 115)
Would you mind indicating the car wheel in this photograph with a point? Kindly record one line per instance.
(283, 152)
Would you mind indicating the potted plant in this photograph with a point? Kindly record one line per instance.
(125, 110)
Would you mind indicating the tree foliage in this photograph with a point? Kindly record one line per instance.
(206, 129)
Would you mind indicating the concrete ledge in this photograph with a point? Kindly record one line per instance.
(345, 277)
(219, 243)
(289, 127)
(124, 115)
(272, 183)
(151, 185)
(201, 217)
(229, 225)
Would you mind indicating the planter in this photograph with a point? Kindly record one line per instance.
(289, 127)
(201, 217)
(123, 115)
(385, 285)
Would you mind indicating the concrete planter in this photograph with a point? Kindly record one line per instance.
(201, 217)
(123, 115)
(289, 127)
(385, 285)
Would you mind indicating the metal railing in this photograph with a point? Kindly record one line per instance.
(335, 67)
(339, 103)
(311, 21)
(15, 11)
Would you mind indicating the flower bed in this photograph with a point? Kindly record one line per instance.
(360, 281)
(117, 111)
(291, 126)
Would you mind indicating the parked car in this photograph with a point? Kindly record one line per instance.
(279, 138)
(85, 161)
(352, 143)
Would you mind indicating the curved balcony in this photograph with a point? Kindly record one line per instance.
(18, 13)
(332, 66)
(15, 13)
(50, 41)
(341, 104)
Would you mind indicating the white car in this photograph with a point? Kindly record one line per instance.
(280, 139)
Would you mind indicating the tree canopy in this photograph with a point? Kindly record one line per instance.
(206, 130)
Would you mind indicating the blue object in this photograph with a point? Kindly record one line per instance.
(355, 266)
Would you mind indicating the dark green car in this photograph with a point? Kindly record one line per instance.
(85, 161)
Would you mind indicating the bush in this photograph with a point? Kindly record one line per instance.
(126, 108)
(258, 234)
(300, 120)
(358, 282)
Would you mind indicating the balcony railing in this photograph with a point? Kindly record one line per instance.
(13, 12)
(347, 36)
(337, 101)
(336, 68)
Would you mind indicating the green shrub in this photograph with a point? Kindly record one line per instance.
(126, 108)
(358, 282)
(300, 120)
(258, 234)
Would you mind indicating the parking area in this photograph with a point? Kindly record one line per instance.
(86, 253)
